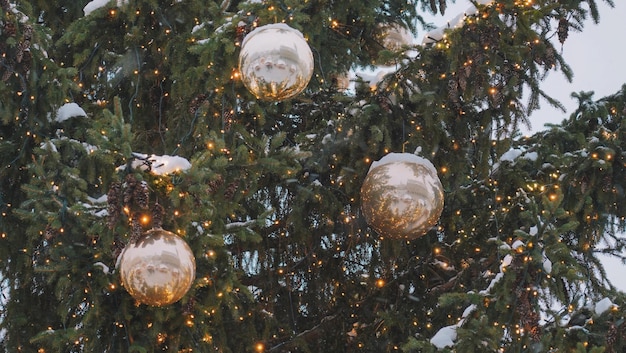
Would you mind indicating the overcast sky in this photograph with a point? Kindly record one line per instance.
(596, 56)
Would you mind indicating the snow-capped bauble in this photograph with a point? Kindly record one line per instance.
(341, 81)
(275, 62)
(158, 269)
(395, 37)
(402, 196)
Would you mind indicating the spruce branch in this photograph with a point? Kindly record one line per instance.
(309, 336)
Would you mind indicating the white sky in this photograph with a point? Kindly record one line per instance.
(595, 55)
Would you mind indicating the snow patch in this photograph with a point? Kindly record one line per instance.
(517, 244)
(69, 110)
(161, 165)
(531, 156)
(547, 264)
(511, 155)
(602, 306)
(103, 267)
(96, 4)
(405, 157)
(444, 337)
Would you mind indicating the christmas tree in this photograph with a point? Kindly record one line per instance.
(164, 141)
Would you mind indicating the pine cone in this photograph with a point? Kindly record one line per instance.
(27, 62)
(28, 33)
(21, 49)
(113, 204)
(189, 306)
(241, 31)
(453, 93)
(611, 338)
(195, 104)
(9, 29)
(228, 119)
(213, 185)
(49, 233)
(563, 29)
(550, 56)
(384, 102)
(136, 230)
(245, 27)
(141, 194)
(7, 74)
(463, 76)
(129, 188)
(528, 317)
(229, 193)
(5, 5)
(158, 212)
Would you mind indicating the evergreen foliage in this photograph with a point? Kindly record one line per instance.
(271, 203)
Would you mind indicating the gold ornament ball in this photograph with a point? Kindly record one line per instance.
(402, 196)
(158, 269)
(396, 37)
(275, 62)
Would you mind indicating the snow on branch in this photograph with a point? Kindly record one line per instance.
(69, 110)
(159, 165)
(96, 4)
(246, 224)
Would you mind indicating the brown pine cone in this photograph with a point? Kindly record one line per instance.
(528, 317)
(213, 185)
(453, 93)
(21, 49)
(141, 194)
(49, 233)
(27, 62)
(129, 188)
(7, 74)
(229, 193)
(136, 230)
(563, 29)
(158, 213)
(114, 207)
(5, 5)
(611, 338)
(195, 104)
(28, 33)
(9, 29)
(189, 307)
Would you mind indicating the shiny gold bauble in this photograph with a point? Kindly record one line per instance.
(402, 196)
(275, 62)
(396, 37)
(158, 269)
